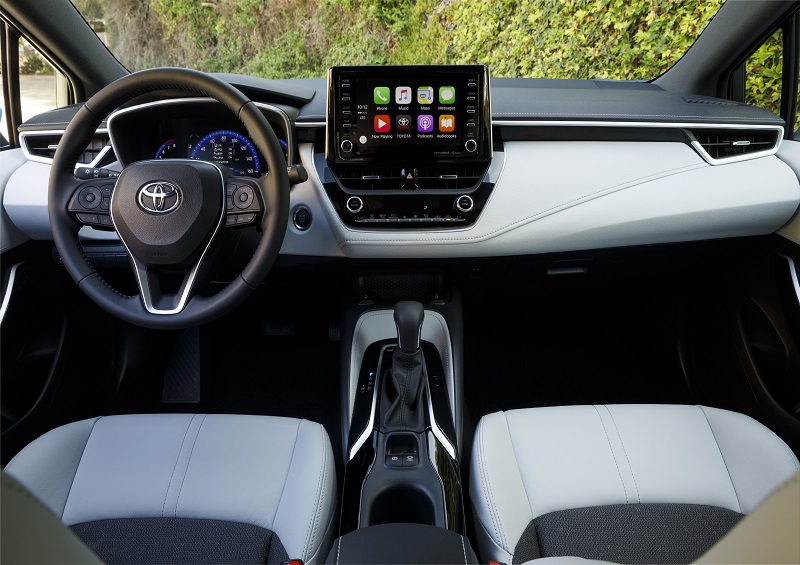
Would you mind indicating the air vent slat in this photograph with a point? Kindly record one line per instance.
(723, 144)
(397, 178)
(43, 146)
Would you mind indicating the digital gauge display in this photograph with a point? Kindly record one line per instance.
(226, 147)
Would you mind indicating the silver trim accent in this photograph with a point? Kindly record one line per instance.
(9, 289)
(287, 123)
(794, 275)
(437, 431)
(312, 124)
(465, 209)
(141, 270)
(365, 435)
(360, 205)
(23, 136)
(665, 125)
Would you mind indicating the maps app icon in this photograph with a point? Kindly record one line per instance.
(425, 95)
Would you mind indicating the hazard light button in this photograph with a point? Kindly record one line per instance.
(408, 179)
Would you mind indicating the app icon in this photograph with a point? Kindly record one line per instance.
(403, 122)
(381, 95)
(402, 95)
(383, 123)
(425, 95)
(425, 123)
(447, 122)
(447, 95)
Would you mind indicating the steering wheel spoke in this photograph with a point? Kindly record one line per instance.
(91, 201)
(165, 291)
(244, 205)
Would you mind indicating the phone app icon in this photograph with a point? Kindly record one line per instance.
(402, 95)
(425, 95)
(425, 123)
(403, 122)
(381, 95)
(383, 123)
(447, 123)
(447, 95)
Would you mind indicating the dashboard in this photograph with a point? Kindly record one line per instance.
(564, 166)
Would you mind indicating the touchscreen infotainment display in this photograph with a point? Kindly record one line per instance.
(421, 113)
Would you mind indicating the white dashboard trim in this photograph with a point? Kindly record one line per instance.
(46, 160)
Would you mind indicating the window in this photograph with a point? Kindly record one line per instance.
(40, 88)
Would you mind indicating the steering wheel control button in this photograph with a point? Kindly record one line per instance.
(230, 221)
(471, 145)
(230, 189)
(347, 146)
(243, 197)
(90, 198)
(245, 219)
(464, 204)
(354, 205)
(88, 218)
(105, 220)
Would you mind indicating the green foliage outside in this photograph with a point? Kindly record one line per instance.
(584, 39)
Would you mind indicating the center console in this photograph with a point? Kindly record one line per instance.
(408, 147)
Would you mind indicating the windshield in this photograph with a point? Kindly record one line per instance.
(611, 39)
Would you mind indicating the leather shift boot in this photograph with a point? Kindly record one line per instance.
(402, 404)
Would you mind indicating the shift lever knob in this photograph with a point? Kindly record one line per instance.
(408, 317)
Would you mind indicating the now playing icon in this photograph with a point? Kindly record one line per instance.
(383, 123)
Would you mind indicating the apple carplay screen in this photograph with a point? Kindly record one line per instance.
(408, 113)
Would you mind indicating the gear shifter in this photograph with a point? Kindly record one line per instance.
(404, 383)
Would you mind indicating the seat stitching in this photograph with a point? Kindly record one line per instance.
(514, 453)
(188, 464)
(487, 491)
(286, 478)
(178, 458)
(614, 457)
(711, 429)
(464, 549)
(339, 550)
(625, 452)
(66, 501)
(320, 494)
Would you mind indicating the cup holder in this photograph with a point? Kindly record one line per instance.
(402, 503)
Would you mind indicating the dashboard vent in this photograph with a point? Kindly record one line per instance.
(42, 146)
(725, 145)
(398, 178)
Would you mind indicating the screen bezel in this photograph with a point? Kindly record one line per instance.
(388, 154)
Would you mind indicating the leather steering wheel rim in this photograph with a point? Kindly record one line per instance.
(274, 188)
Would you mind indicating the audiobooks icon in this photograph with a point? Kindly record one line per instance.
(447, 123)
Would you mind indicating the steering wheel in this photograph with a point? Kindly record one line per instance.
(168, 213)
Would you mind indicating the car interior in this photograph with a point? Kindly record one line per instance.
(400, 313)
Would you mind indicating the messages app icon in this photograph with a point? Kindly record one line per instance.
(447, 95)
(425, 95)
(381, 95)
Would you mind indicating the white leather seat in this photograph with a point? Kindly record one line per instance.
(620, 483)
(172, 488)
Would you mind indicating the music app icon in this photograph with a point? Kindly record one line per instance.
(402, 95)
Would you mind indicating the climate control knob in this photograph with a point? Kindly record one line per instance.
(464, 204)
(347, 146)
(471, 145)
(354, 205)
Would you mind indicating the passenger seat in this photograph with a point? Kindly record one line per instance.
(618, 483)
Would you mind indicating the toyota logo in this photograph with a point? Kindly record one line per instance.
(159, 197)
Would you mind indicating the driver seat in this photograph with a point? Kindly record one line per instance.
(188, 488)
